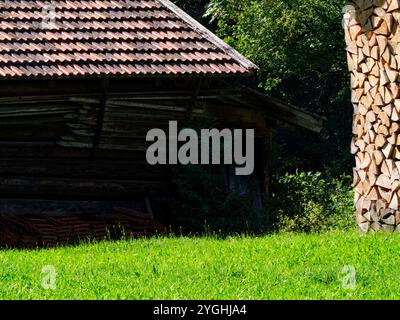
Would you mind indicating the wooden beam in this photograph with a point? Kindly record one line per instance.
(267, 163)
(40, 207)
(100, 118)
(81, 168)
(280, 111)
(191, 104)
(63, 188)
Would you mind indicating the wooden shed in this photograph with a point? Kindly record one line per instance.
(83, 81)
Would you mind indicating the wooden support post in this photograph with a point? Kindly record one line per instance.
(100, 118)
(192, 102)
(267, 162)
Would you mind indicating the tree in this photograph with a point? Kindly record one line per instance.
(299, 47)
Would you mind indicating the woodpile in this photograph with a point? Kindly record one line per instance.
(36, 230)
(372, 34)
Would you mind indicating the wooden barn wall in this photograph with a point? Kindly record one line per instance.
(86, 139)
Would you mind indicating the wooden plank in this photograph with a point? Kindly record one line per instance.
(81, 168)
(40, 207)
(46, 150)
(63, 188)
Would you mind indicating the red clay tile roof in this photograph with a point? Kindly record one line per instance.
(113, 38)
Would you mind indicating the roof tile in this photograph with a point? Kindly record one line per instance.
(114, 37)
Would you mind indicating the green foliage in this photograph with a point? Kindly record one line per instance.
(299, 47)
(305, 202)
(300, 39)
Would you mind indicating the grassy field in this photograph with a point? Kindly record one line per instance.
(284, 266)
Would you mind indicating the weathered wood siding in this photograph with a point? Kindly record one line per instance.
(86, 139)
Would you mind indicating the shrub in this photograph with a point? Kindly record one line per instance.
(306, 202)
(300, 202)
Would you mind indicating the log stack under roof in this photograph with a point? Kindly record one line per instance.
(372, 34)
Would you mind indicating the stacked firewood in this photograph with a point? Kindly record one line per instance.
(372, 33)
(33, 231)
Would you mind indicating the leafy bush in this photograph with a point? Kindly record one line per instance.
(305, 202)
(300, 202)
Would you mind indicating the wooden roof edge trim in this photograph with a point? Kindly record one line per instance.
(209, 35)
(287, 113)
(304, 119)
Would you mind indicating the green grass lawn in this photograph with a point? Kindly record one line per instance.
(288, 266)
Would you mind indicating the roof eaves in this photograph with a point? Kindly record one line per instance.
(282, 111)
